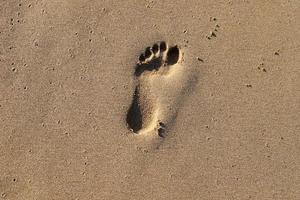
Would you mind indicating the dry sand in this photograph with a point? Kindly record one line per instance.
(216, 112)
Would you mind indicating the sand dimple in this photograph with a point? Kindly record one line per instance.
(145, 113)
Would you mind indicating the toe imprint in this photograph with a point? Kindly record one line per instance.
(155, 48)
(163, 46)
(148, 52)
(157, 56)
(173, 55)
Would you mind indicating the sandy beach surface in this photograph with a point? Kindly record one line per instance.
(147, 99)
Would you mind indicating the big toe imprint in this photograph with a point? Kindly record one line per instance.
(145, 113)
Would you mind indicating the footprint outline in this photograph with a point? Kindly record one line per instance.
(156, 60)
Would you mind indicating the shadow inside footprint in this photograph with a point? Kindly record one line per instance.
(134, 115)
(154, 64)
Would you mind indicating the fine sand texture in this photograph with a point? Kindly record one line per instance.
(149, 100)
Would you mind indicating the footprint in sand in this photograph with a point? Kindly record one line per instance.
(154, 105)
